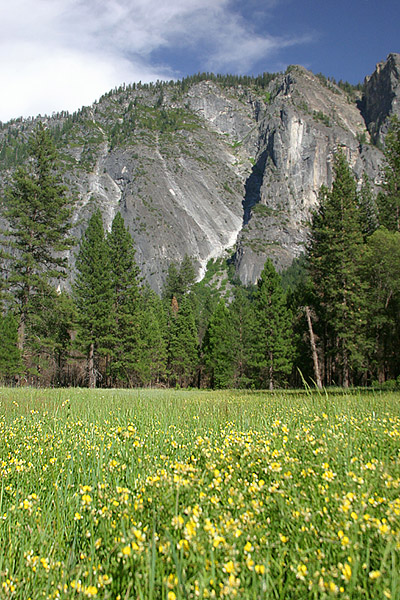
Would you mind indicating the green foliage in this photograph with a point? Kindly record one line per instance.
(180, 280)
(367, 209)
(334, 254)
(13, 149)
(295, 274)
(39, 212)
(10, 356)
(218, 348)
(273, 348)
(350, 89)
(362, 137)
(262, 210)
(389, 198)
(151, 365)
(183, 351)
(322, 117)
(93, 294)
(259, 82)
(381, 270)
(126, 308)
(244, 324)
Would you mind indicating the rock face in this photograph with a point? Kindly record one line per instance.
(301, 131)
(200, 168)
(382, 97)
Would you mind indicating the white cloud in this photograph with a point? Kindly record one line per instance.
(62, 54)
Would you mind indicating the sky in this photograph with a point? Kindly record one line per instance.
(64, 54)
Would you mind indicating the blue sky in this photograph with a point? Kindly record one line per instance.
(63, 54)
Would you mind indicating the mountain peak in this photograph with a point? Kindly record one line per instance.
(216, 162)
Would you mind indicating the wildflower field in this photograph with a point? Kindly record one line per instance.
(168, 495)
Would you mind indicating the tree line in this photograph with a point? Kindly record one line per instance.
(333, 319)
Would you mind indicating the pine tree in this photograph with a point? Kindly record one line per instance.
(93, 293)
(367, 209)
(182, 343)
(273, 348)
(151, 365)
(126, 297)
(180, 280)
(381, 264)
(334, 255)
(244, 324)
(38, 212)
(172, 285)
(389, 197)
(218, 348)
(187, 273)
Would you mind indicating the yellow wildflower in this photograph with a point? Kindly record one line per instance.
(374, 575)
(346, 572)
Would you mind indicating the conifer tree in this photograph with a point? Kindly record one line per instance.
(273, 348)
(334, 255)
(218, 348)
(93, 293)
(180, 280)
(126, 296)
(187, 273)
(172, 286)
(244, 324)
(38, 212)
(182, 343)
(389, 197)
(151, 365)
(381, 270)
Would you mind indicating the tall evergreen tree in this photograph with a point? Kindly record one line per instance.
(182, 343)
(187, 273)
(151, 365)
(38, 212)
(126, 298)
(381, 264)
(180, 280)
(367, 209)
(334, 254)
(218, 348)
(93, 293)
(273, 347)
(245, 328)
(389, 197)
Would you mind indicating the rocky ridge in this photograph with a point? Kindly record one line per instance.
(199, 168)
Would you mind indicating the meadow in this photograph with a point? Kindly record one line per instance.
(165, 495)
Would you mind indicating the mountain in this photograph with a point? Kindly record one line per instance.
(213, 163)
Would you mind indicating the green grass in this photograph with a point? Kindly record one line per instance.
(195, 494)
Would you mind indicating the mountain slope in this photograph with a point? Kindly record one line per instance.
(211, 163)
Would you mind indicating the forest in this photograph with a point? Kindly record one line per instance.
(333, 318)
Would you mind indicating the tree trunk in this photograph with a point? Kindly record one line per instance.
(317, 371)
(91, 370)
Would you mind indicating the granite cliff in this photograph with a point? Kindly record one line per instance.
(205, 165)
